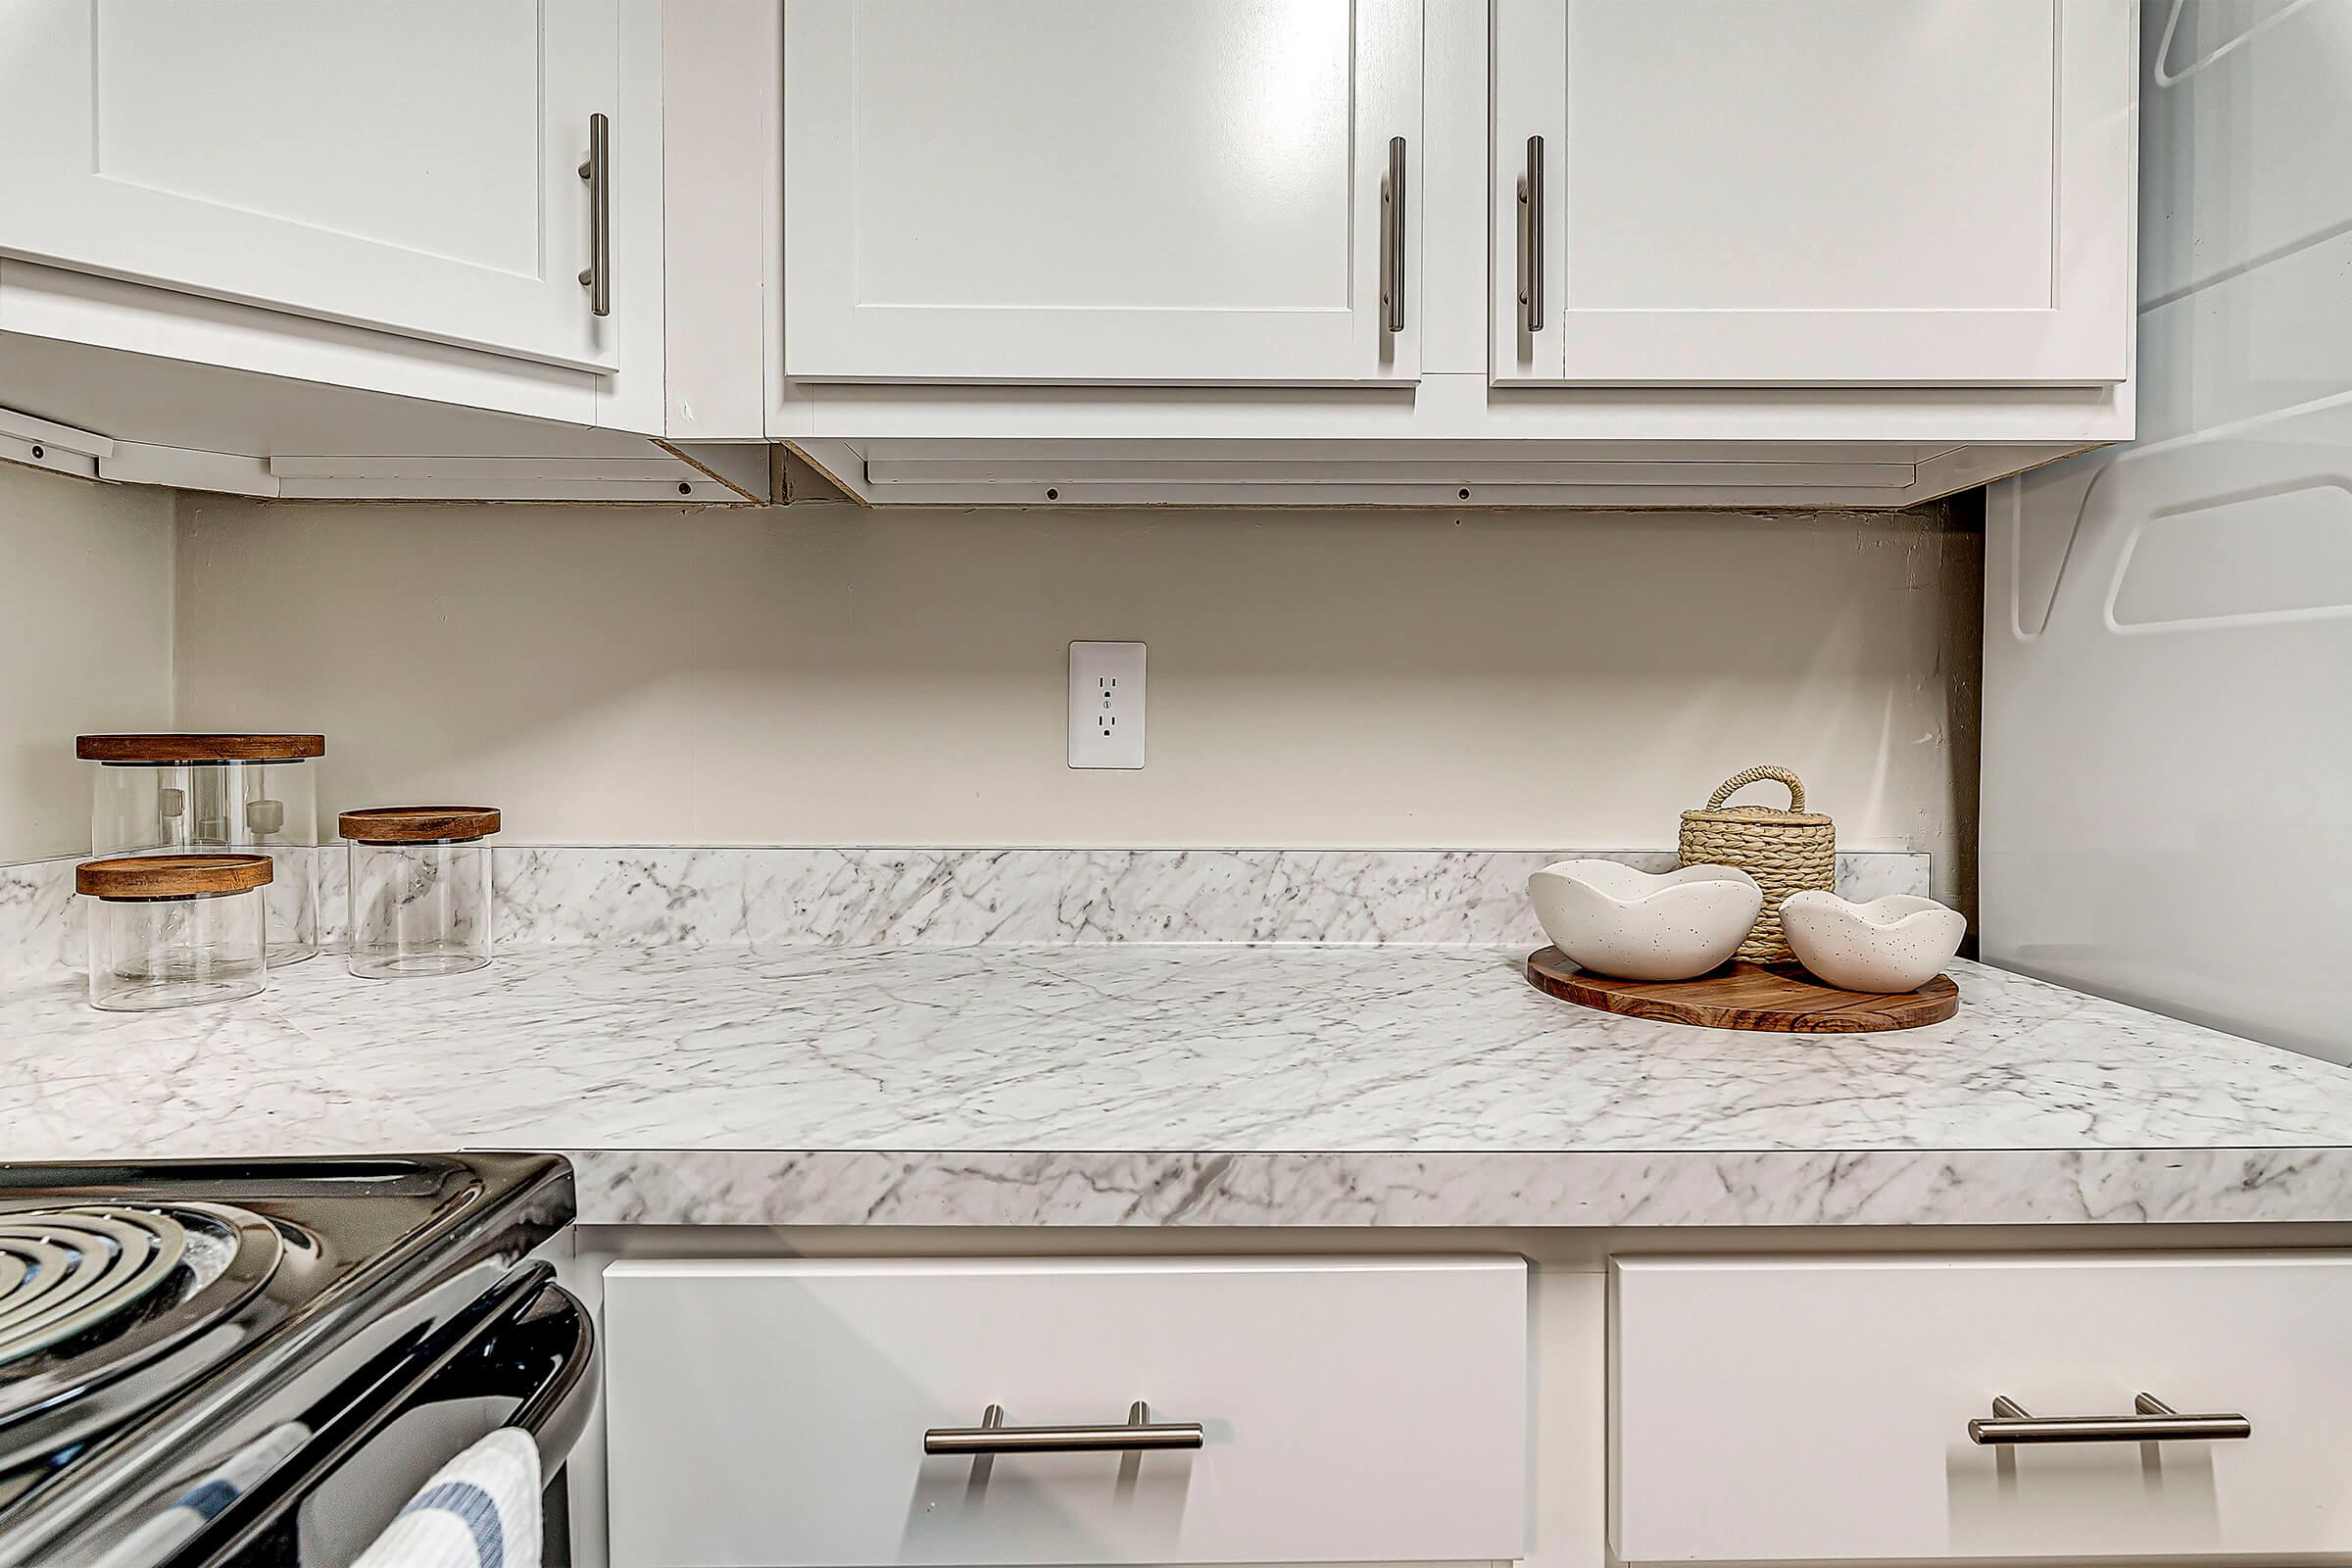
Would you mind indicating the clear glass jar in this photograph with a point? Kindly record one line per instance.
(420, 888)
(174, 930)
(251, 793)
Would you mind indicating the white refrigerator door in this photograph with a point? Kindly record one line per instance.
(2167, 810)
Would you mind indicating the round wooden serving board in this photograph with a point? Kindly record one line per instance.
(1746, 996)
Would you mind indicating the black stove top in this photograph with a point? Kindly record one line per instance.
(105, 1307)
(157, 1319)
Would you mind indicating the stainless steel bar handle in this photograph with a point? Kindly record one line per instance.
(597, 277)
(1530, 239)
(2156, 1422)
(1392, 240)
(992, 1436)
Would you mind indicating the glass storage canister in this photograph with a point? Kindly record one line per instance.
(173, 930)
(251, 792)
(420, 888)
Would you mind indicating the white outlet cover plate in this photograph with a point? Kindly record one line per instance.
(1106, 705)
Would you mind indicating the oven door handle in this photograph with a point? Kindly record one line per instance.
(553, 1344)
(526, 1335)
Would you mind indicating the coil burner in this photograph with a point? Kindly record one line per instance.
(91, 1294)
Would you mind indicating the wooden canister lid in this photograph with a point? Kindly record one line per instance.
(417, 824)
(198, 748)
(171, 876)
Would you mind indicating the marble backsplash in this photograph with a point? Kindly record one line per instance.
(559, 896)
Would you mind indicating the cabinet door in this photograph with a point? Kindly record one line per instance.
(411, 166)
(1063, 190)
(1343, 1411)
(1816, 1410)
(1817, 191)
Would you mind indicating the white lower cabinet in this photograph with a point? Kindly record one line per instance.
(1817, 1410)
(776, 1411)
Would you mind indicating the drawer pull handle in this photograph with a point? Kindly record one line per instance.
(2156, 1422)
(993, 1435)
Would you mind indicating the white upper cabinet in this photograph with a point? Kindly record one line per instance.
(411, 168)
(1790, 192)
(1068, 191)
(1086, 252)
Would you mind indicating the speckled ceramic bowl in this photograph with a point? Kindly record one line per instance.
(1898, 942)
(1615, 920)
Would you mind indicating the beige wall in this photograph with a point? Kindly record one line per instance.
(85, 601)
(824, 675)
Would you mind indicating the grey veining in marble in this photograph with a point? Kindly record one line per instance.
(958, 897)
(41, 929)
(1111, 1084)
(924, 898)
(954, 897)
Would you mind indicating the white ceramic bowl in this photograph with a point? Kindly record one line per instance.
(1615, 920)
(1898, 942)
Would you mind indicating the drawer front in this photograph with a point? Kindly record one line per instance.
(1791, 1411)
(775, 1411)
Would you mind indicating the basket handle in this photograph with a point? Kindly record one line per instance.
(1739, 781)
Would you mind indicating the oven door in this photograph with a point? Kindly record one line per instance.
(522, 1354)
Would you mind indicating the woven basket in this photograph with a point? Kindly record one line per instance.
(1785, 851)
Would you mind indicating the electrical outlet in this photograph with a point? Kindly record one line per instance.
(1106, 705)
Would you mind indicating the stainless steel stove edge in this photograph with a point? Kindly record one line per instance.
(379, 1247)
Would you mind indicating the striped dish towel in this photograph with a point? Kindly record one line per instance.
(480, 1510)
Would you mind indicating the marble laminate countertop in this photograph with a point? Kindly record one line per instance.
(1212, 1084)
